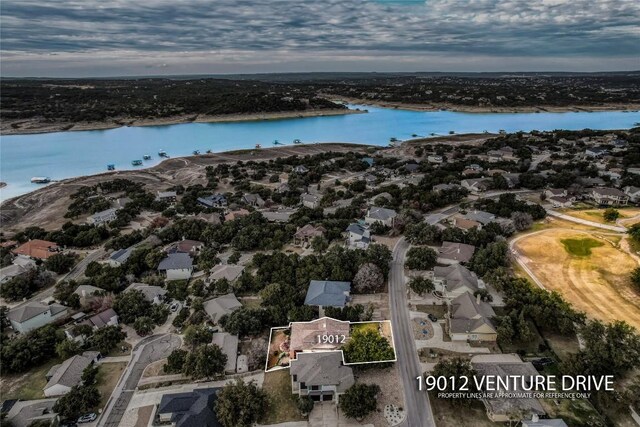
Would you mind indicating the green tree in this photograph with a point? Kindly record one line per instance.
(90, 375)
(366, 345)
(421, 285)
(319, 244)
(380, 256)
(206, 361)
(359, 400)
(143, 325)
(107, 338)
(305, 405)
(244, 321)
(421, 258)
(611, 214)
(130, 305)
(78, 401)
(195, 336)
(240, 404)
(458, 368)
(175, 361)
(60, 263)
(67, 348)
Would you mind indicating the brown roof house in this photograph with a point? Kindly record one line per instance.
(321, 376)
(454, 280)
(305, 235)
(454, 253)
(36, 248)
(469, 319)
(304, 335)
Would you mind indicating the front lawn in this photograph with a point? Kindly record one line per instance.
(282, 403)
(107, 379)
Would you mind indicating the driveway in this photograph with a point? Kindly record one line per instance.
(437, 340)
(417, 405)
(147, 351)
(326, 414)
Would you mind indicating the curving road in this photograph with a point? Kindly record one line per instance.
(417, 405)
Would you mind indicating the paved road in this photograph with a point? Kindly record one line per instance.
(417, 404)
(147, 351)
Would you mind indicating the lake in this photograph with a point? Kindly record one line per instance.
(62, 155)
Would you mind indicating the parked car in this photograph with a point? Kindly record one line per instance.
(539, 364)
(87, 418)
(174, 307)
(432, 317)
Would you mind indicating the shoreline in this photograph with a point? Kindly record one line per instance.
(39, 127)
(433, 107)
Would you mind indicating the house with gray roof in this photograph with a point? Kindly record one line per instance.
(608, 197)
(103, 217)
(454, 253)
(220, 306)
(327, 293)
(61, 378)
(502, 408)
(229, 345)
(253, 199)
(14, 270)
(358, 236)
(35, 314)
(189, 409)
(213, 201)
(167, 196)
(153, 294)
(469, 319)
(107, 317)
(86, 291)
(454, 280)
(24, 413)
(119, 257)
(225, 271)
(482, 217)
(476, 185)
(380, 215)
(311, 201)
(177, 266)
(321, 376)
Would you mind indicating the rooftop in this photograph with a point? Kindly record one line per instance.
(328, 293)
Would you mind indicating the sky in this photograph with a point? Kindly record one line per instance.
(98, 38)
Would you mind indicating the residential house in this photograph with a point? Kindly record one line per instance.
(238, 213)
(383, 216)
(536, 421)
(35, 314)
(454, 280)
(501, 408)
(469, 319)
(37, 249)
(283, 188)
(454, 253)
(177, 266)
(300, 169)
(25, 413)
(153, 294)
(185, 246)
(595, 152)
(189, 409)
(121, 202)
(368, 160)
(561, 202)
(229, 345)
(220, 306)
(103, 217)
(445, 187)
(107, 317)
(210, 218)
(434, 219)
(476, 185)
(253, 200)
(61, 378)
(277, 216)
(370, 179)
(213, 201)
(87, 291)
(358, 236)
(512, 179)
(225, 271)
(119, 257)
(306, 234)
(466, 224)
(327, 293)
(555, 192)
(303, 336)
(482, 217)
(411, 167)
(609, 197)
(633, 193)
(435, 159)
(167, 196)
(321, 376)
(14, 270)
(311, 201)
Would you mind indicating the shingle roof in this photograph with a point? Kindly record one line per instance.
(101, 319)
(121, 255)
(356, 229)
(176, 261)
(33, 309)
(69, 373)
(381, 214)
(303, 335)
(191, 409)
(150, 292)
(322, 369)
(327, 293)
(467, 315)
(480, 216)
(229, 345)
(456, 276)
(218, 307)
(456, 251)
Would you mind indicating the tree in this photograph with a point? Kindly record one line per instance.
(421, 285)
(107, 338)
(380, 256)
(611, 215)
(319, 244)
(67, 348)
(240, 404)
(130, 305)
(458, 368)
(234, 258)
(521, 220)
(78, 401)
(368, 345)
(368, 279)
(421, 258)
(490, 257)
(244, 321)
(305, 405)
(635, 278)
(195, 336)
(143, 325)
(64, 293)
(90, 375)
(30, 349)
(206, 361)
(359, 400)
(175, 361)
(60, 263)
(178, 290)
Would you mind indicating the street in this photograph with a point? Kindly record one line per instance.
(417, 405)
(149, 350)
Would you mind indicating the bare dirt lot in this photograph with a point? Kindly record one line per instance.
(593, 276)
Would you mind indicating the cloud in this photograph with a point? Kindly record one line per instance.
(294, 32)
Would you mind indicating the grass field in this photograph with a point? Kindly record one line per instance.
(282, 403)
(596, 215)
(29, 385)
(581, 247)
(587, 270)
(107, 379)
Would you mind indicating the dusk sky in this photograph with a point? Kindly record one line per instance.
(70, 38)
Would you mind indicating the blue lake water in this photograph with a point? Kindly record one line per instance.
(62, 155)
